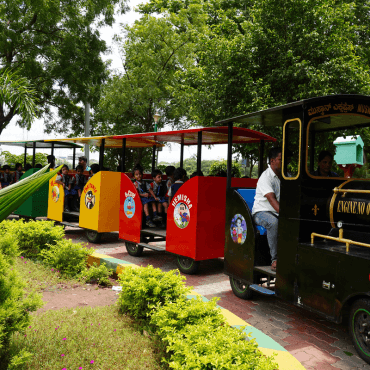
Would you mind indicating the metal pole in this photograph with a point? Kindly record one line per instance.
(229, 154)
(52, 148)
(25, 155)
(182, 153)
(153, 158)
(312, 152)
(87, 130)
(123, 155)
(199, 152)
(101, 155)
(260, 159)
(74, 158)
(33, 154)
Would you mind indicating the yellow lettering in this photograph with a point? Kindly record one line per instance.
(361, 208)
(339, 204)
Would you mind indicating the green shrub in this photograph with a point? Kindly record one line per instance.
(204, 346)
(32, 236)
(97, 274)
(173, 316)
(67, 257)
(14, 304)
(143, 288)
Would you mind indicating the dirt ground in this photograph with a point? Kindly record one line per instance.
(69, 297)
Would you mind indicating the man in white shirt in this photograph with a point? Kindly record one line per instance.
(265, 210)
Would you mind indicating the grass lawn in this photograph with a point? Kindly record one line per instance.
(41, 278)
(82, 338)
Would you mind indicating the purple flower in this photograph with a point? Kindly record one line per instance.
(64, 368)
(52, 269)
(62, 355)
(92, 361)
(64, 338)
(114, 329)
(22, 257)
(29, 326)
(80, 368)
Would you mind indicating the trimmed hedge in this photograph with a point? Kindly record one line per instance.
(195, 332)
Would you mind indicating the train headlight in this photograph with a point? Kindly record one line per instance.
(339, 224)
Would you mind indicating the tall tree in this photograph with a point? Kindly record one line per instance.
(154, 52)
(57, 47)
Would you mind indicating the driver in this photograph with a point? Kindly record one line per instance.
(265, 210)
(324, 165)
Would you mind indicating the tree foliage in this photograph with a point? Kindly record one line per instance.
(56, 46)
(12, 159)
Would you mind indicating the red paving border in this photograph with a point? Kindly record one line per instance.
(315, 342)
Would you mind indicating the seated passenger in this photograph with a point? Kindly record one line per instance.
(146, 196)
(324, 165)
(265, 210)
(179, 176)
(78, 182)
(6, 177)
(64, 180)
(17, 173)
(170, 171)
(27, 167)
(95, 168)
(160, 195)
(196, 174)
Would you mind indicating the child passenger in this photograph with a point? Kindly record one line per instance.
(64, 180)
(146, 196)
(6, 177)
(95, 168)
(179, 176)
(79, 180)
(170, 171)
(160, 191)
(17, 173)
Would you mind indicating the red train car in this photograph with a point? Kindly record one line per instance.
(196, 214)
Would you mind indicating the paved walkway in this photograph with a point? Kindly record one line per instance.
(316, 343)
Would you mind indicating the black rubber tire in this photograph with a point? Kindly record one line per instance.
(93, 236)
(134, 249)
(359, 332)
(187, 265)
(240, 289)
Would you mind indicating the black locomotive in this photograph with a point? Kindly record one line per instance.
(324, 222)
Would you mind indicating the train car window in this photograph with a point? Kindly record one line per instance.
(291, 148)
(336, 151)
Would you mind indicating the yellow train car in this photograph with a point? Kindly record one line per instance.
(100, 198)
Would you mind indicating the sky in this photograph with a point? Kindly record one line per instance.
(172, 154)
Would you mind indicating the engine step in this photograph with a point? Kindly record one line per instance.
(261, 289)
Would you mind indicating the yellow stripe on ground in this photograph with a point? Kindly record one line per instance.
(285, 360)
(232, 319)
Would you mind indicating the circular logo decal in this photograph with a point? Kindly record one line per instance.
(89, 199)
(181, 215)
(238, 229)
(129, 207)
(55, 193)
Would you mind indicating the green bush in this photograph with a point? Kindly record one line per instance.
(32, 236)
(204, 346)
(67, 257)
(173, 316)
(219, 166)
(143, 288)
(97, 274)
(15, 306)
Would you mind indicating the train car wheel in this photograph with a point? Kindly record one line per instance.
(359, 328)
(93, 236)
(133, 249)
(240, 289)
(187, 265)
